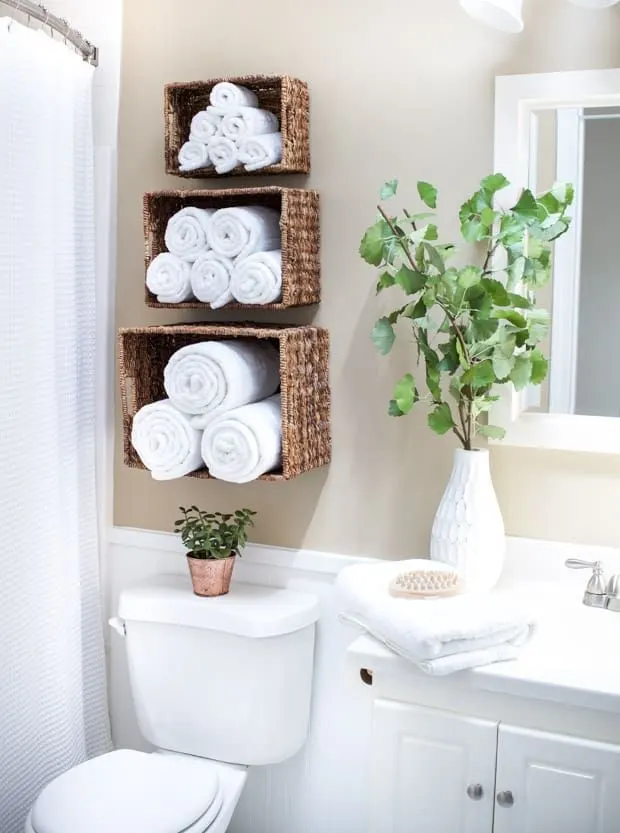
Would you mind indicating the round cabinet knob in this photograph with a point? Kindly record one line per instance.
(505, 799)
(475, 792)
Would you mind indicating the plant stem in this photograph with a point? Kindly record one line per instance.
(405, 248)
(493, 246)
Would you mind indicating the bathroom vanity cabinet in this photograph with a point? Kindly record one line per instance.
(434, 772)
(511, 748)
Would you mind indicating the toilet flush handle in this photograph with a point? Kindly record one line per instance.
(118, 625)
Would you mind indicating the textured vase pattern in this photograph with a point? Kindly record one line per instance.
(211, 577)
(468, 531)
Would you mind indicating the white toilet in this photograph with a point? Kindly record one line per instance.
(219, 685)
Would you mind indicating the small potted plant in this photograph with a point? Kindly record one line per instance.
(213, 541)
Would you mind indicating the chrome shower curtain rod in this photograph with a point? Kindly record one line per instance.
(34, 11)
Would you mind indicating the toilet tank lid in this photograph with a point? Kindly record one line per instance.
(248, 610)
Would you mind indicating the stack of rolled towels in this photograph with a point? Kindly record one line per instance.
(222, 412)
(219, 256)
(231, 132)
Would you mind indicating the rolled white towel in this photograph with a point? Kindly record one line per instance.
(210, 278)
(205, 125)
(239, 232)
(186, 232)
(165, 440)
(226, 94)
(240, 445)
(212, 376)
(223, 154)
(168, 277)
(193, 156)
(257, 279)
(248, 121)
(258, 152)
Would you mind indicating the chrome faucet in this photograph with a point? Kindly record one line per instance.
(598, 593)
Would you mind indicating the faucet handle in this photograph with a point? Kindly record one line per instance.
(580, 564)
(596, 591)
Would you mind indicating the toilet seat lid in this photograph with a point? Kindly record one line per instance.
(127, 792)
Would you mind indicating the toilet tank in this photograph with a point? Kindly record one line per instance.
(226, 678)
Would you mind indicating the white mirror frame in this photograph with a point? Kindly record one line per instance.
(517, 98)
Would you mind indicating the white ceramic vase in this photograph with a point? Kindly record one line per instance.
(468, 531)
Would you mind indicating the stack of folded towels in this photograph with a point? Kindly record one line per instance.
(219, 256)
(222, 411)
(232, 131)
(440, 636)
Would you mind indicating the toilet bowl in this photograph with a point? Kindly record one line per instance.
(218, 685)
(137, 792)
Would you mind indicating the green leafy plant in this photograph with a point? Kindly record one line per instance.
(476, 326)
(213, 535)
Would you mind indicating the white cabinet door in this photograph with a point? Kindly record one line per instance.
(556, 784)
(424, 762)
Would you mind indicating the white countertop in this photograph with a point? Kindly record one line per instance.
(573, 658)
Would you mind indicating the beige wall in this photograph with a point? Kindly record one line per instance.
(402, 89)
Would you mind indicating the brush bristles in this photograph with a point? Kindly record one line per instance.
(426, 583)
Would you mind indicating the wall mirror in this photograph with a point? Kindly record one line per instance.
(566, 127)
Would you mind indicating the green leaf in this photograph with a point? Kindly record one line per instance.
(431, 232)
(450, 360)
(440, 419)
(538, 323)
(540, 366)
(480, 375)
(550, 203)
(497, 291)
(394, 410)
(519, 301)
(385, 281)
(522, 372)
(494, 432)
(469, 276)
(487, 217)
(502, 365)
(428, 194)
(515, 317)
(433, 376)
(405, 393)
(526, 207)
(389, 189)
(371, 247)
(383, 336)
(564, 192)
(494, 183)
(474, 231)
(415, 311)
(435, 258)
(409, 281)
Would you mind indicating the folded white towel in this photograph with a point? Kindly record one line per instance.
(257, 279)
(226, 94)
(193, 156)
(240, 445)
(223, 153)
(168, 277)
(210, 278)
(239, 232)
(205, 125)
(186, 232)
(256, 152)
(440, 636)
(248, 121)
(212, 376)
(165, 440)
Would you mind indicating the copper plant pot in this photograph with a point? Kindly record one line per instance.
(211, 577)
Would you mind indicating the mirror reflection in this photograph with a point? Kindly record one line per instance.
(580, 145)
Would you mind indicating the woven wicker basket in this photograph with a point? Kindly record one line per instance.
(304, 380)
(286, 97)
(299, 225)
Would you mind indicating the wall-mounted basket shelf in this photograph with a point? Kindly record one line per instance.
(299, 227)
(304, 379)
(286, 97)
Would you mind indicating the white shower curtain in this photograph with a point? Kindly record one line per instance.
(53, 711)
